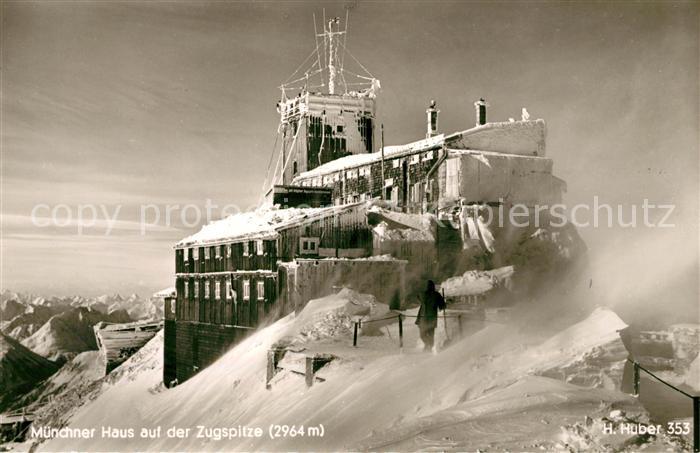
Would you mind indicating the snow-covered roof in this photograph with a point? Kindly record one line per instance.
(263, 223)
(357, 160)
(508, 137)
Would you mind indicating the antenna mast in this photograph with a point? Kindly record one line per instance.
(331, 38)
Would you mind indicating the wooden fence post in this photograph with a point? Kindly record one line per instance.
(400, 330)
(636, 379)
(696, 423)
(354, 336)
(270, 368)
(309, 371)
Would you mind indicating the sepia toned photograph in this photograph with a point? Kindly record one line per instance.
(363, 225)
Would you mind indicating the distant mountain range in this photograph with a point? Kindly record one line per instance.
(13, 304)
(39, 334)
(59, 328)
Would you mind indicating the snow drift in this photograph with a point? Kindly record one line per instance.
(371, 398)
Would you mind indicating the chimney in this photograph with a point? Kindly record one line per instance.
(432, 124)
(480, 107)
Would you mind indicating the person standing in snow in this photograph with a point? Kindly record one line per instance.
(431, 302)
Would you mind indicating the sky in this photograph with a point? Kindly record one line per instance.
(121, 105)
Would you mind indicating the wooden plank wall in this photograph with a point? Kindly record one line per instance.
(197, 345)
(237, 261)
(226, 311)
(347, 229)
(170, 352)
(371, 184)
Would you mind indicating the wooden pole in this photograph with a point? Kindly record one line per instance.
(354, 335)
(636, 379)
(309, 371)
(382, 150)
(270, 368)
(696, 423)
(400, 330)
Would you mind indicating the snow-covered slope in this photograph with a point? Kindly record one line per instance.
(20, 371)
(82, 380)
(374, 396)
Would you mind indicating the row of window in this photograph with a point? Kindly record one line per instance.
(214, 286)
(258, 249)
(320, 181)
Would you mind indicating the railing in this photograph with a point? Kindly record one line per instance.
(401, 316)
(696, 399)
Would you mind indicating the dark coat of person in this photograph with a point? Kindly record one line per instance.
(431, 302)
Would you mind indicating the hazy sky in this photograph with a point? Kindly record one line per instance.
(170, 103)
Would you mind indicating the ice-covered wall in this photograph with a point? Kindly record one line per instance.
(310, 279)
(477, 176)
(525, 138)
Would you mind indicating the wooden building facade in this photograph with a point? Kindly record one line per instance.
(405, 178)
(226, 287)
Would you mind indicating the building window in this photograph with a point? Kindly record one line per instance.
(308, 245)
(228, 250)
(196, 289)
(246, 289)
(428, 156)
(245, 248)
(186, 291)
(261, 290)
(228, 289)
(414, 159)
(206, 253)
(396, 163)
(195, 253)
(388, 182)
(339, 128)
(217, 251)
(217, 290)
(259, 246)
(206, 289)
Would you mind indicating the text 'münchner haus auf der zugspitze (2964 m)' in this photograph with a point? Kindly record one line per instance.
(343, 210)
